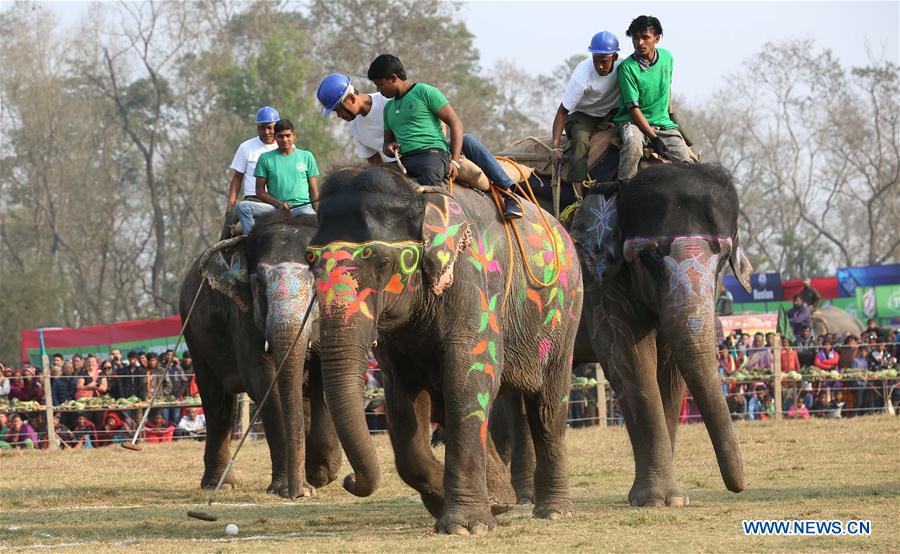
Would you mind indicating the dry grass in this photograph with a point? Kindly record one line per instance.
(114, 499)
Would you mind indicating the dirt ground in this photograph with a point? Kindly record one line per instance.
(113, 499)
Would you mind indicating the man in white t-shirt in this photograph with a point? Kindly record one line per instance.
(363, 112)
(591, 99)
(244, 162)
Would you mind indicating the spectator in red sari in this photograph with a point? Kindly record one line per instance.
(85, 432)
(158, 429)
(115, 430)
(26, 387)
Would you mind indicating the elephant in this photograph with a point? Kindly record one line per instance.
(831, 319)
(459, 315)
(259, 289)
(653, 252)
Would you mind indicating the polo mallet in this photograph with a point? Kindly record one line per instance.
(206, 516)
(162, 377)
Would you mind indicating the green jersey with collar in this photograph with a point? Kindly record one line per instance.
(413, 119)
(287, 175)
(648, 88)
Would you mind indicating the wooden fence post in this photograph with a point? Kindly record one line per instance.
(48, 404)
(245, 412)
(776, 369)
(602, 410)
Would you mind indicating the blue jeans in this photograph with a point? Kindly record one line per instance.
(248, 210)
(482, 157)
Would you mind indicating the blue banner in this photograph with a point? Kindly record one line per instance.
(866, 276)
(766, 286)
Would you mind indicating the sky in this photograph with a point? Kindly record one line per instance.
(709, 40)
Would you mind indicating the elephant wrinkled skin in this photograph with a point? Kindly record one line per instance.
(458, 321)
(653, 254)
(258, 290)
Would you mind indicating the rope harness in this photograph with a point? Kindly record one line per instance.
(508, 224)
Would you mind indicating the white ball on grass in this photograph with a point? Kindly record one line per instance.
(231, 530)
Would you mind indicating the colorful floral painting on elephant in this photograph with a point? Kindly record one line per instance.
(462, 307)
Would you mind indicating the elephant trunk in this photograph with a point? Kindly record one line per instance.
(343, 363)
(695, 354)
(290, 391)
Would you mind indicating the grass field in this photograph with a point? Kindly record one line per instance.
(114, 499)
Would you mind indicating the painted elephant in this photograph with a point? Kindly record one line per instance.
(258, 291)
(461, 314)
(653, 252)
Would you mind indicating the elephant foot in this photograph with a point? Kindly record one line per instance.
(210, 482)
(466, 522)
(658, 496)
(524, 500)
(282, 489)
(554, 509)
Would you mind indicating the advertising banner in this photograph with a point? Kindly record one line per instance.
(148, 335)
(878, 302)
(766, 286)
(849, 278)
(749, 323)
(826, 286)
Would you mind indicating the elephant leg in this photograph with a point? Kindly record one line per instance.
(409, 414)
(501, 494)
(547, 410)
(323, 449)
(467, 401)
(272, 418)
(642, 408)
(512, 437)
(625, 343)
(218, 407)
(671, 390)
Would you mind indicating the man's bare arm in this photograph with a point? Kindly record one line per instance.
(264, 195)
(234, 189)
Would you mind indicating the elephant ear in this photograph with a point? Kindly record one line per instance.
(224, 265)
(741, 265)
(445, 234)
(597, 236)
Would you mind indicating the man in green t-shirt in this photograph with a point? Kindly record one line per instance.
(285, 178)
(412, 130)
(645, 109)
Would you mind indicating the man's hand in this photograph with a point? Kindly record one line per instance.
(453, 170)
(285, 206)
(659, 146)
(556, 157)
(392, 149)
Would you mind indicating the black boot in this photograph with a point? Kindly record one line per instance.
(511, 208)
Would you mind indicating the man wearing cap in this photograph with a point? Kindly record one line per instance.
(590, 101)
(363, 112)
(645, 112)
(244, 165)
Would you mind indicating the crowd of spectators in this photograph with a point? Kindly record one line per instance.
(876, 349)
(88, 376)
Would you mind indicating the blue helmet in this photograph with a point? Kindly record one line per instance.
(604, 42)
(267, 114)
(332, 90)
